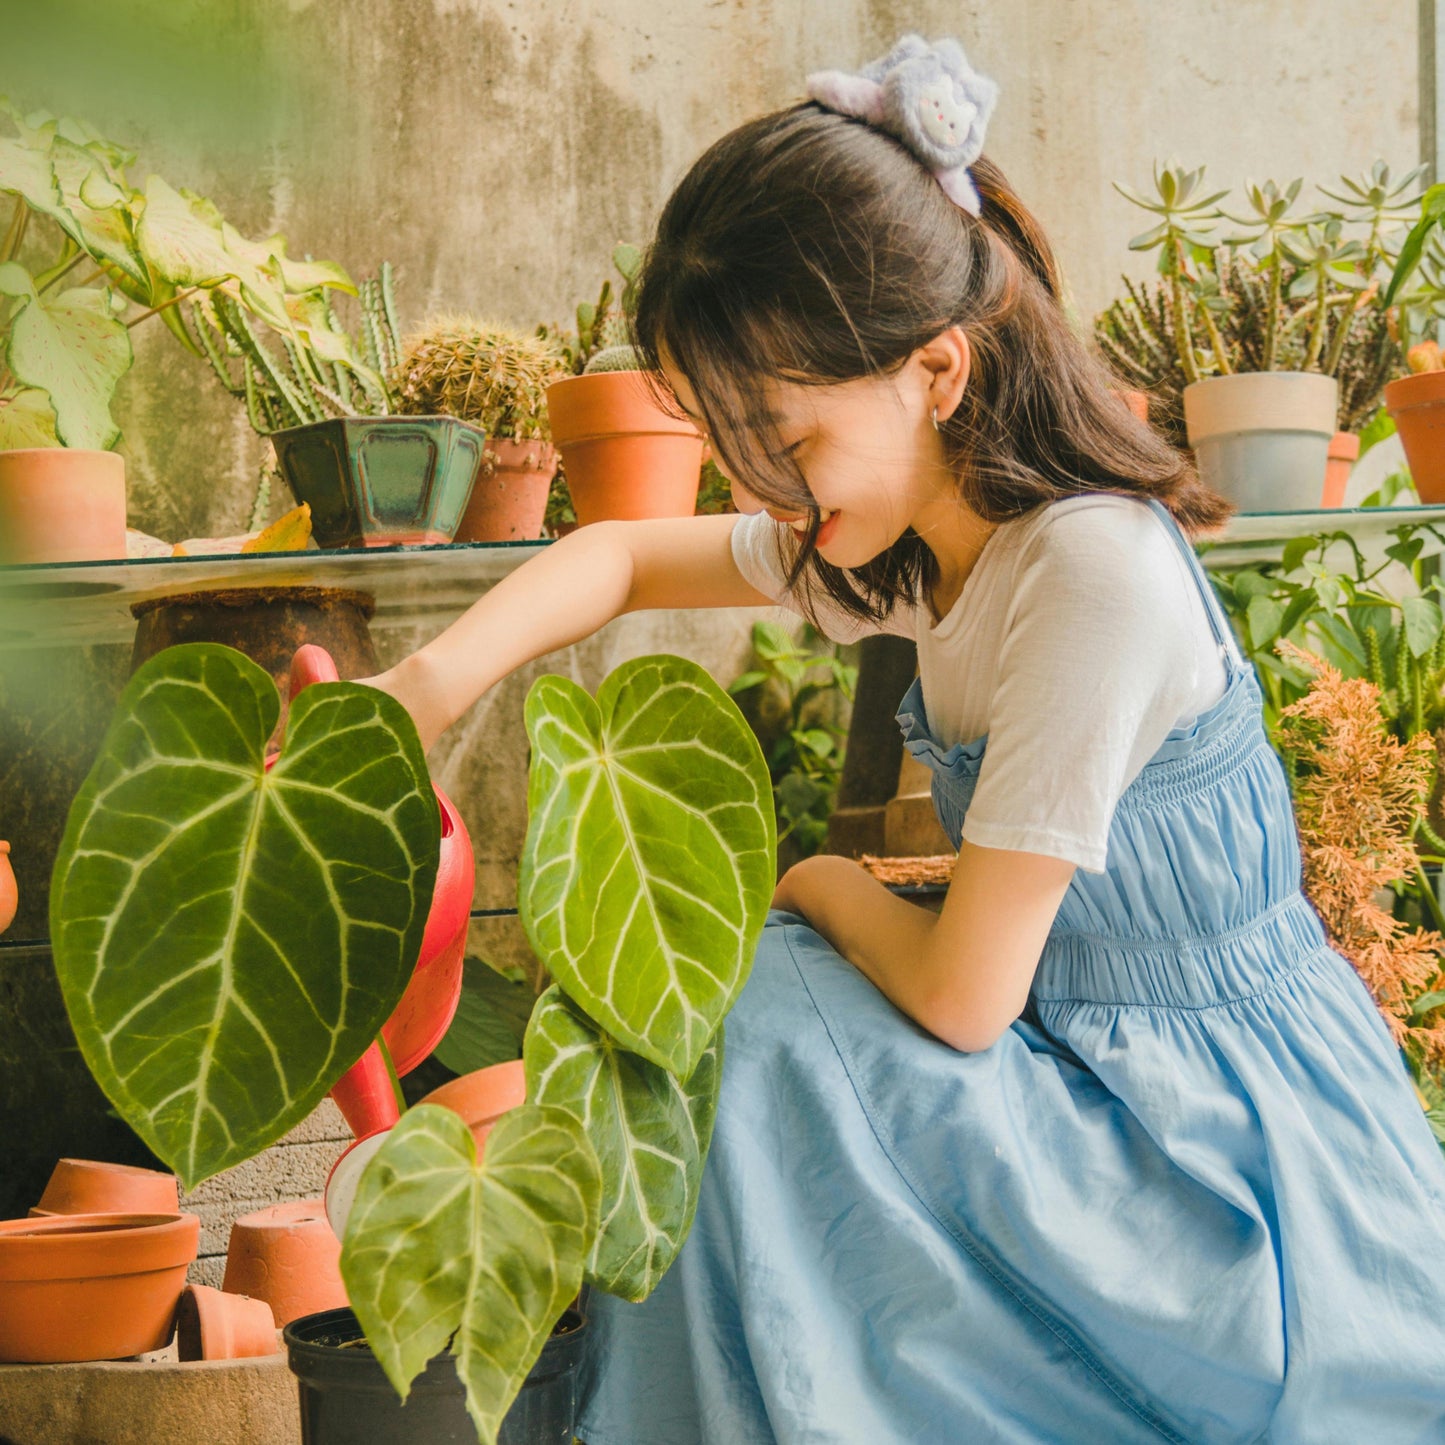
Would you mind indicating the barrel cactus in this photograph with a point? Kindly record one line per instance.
(485, 374)
(614, 358)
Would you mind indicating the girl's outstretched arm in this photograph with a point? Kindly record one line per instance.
(562, 595)
(964, 973)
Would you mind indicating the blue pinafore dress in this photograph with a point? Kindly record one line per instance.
(1188, 1196)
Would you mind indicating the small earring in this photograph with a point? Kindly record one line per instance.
(935, 419)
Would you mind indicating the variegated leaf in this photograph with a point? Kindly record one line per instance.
(483, 1255)
(229, 940)
(651, 1134)
(649, 859)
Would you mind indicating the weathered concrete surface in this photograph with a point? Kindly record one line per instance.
(495, 150)
(157, 1402)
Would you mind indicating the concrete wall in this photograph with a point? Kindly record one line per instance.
(494, 150)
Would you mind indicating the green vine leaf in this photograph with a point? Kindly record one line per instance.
(229, 940)
(483, 1254)
(649, 860)
(650, 1131)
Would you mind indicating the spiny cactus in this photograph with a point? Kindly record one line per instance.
(614, 358)
(485, 374)
(324, 371)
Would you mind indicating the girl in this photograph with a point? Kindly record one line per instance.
(1114, 1148)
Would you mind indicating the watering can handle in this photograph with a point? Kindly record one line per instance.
(311, 664)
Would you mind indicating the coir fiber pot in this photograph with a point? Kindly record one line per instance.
(509, 500)
(347, 1400)
(382, 481)
(1417, 405)
(91, 1286)
(1262, 438)
(626, 456)
(61, 504)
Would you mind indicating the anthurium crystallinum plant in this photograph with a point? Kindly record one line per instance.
(229, 940)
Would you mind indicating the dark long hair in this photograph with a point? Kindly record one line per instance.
(809, 247)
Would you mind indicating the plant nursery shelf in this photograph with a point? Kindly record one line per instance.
(88, 603)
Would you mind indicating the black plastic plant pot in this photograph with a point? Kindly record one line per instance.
(382, 481)
(347, 1400)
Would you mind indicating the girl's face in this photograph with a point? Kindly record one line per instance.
(867, 449)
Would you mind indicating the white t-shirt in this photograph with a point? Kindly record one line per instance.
(1079, 641)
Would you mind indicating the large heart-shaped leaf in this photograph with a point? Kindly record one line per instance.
(649, 859)
(180, 238)
(27, 171)
(485, 1255)
(75, 350)
(230, 940)
(26, 420)
(650, 1132)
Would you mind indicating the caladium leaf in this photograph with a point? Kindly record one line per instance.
(26, 171)
(26, 420)
(182, 242)
(485, 1254)
(649, 859)
(229, 940)
(74, 349)
(651, 1134)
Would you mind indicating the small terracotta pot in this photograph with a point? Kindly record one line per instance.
(1417, 405)
(61, 504)
(288, 1256)
(626, 457)
(9, 896)
(85, 1186)
(213, 1325)
(1344, 452)
(509, 500)
(91, 1286)
(482, 1097)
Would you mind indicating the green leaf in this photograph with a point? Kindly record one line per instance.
(746, 681)
(1422, 624)
(1377, 429)
(26, 420)
(76, 351)
(99, 210)
(1249, 584)
(1264, 616)
(1296, 550)
(1432, 207)
(771, 641)
(1427, 1001)
(651, 1134)
(650, 853)
(27, 172)
(1406, 550)
(229, 940)
(182, 244)
(443, 1250)
(490, 1021)
(15, 280)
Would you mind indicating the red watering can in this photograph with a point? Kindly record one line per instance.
(364, 1092)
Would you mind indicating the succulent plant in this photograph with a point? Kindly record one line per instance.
(614, 358)
(483, 373)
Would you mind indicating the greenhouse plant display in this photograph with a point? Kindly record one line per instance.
(258, 975)
(1262, 344)
(85, 258)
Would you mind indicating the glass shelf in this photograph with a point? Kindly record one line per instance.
(88, 603)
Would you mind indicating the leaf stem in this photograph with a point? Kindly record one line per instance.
(156, 310)
(391, 1073)
(15, 232)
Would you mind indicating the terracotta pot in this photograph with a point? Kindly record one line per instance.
(214, 1325)
(1417, 405)
(1137, 402)
(61, 504)
(91, 1286)
(509, 500)
(85, 1186)
(288, 1256)
(9, 896)
(482, 1097)
(626, 457)
(1344, 453)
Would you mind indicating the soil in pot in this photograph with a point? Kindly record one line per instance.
(61, 504)
(91, 1286)
(509, 500)
(347, 1400)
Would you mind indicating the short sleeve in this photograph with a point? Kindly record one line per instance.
(758, 549)
(1106, 648)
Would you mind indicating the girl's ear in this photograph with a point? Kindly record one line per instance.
(947, 360)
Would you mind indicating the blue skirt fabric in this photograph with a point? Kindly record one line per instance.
(1189, 1196)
